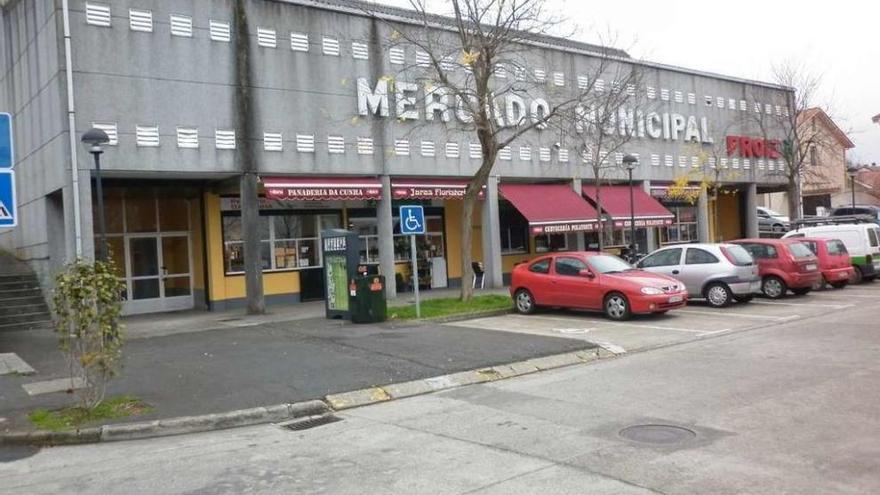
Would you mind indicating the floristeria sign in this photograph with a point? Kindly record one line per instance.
(430, 189)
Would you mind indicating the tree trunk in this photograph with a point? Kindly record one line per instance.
(598, 183)
(794, 202)
(250, 230)
(467, 270)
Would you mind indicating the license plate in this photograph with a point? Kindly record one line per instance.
(843, 275)
(811, 267)
(675, 299)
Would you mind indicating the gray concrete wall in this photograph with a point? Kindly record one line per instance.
(132, 78)
(32, 89)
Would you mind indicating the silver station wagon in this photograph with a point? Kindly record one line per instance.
(718, 273)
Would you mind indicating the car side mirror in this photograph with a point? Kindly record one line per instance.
(587, 274)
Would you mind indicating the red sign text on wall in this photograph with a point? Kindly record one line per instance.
(748, 147)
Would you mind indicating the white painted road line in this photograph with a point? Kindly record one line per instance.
(612, 348)
(626, 324)
(774, 303)
(844, 295)
(736, 315)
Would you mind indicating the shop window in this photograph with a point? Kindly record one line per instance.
(684, 227)
(173, 215)
(140, 213)
(234, 247)
(514, 230)
(430, 245)
(551, 242)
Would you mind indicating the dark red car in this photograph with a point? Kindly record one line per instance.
(783, 264)
(834, 260)
(593, 281)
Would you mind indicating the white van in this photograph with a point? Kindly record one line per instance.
(862, 241)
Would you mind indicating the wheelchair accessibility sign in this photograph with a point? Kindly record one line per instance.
(412, 220)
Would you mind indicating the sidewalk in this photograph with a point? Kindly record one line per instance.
(190, 372)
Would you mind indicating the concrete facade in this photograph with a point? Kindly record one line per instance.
(170, 76)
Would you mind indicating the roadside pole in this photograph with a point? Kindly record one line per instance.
(415, 274)
(412, 223)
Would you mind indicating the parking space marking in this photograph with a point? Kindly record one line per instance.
(775, 303)
(619, 323)
(863, 296)
(737, 315)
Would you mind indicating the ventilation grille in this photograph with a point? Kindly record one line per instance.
(305, 143)
(519, 74)
(428, 148)
(668, 161)
(682, 161)
(500, 72)
(181, 25)
(731, 104)
(397, 56)
(713, 163)
(734, 162)
(422, 59)
(448, 64)
(401, 147)
(618, 158)
(678, 97)
(778, 110)
(692, 99)
(587, 155)
(664, 94)
(272, 141)
(747, 164)
(335, 145)
(330, 46)
(544, 154)
(651, 92)
(299, 42)
(147, 135)
(365, 146)
(187, 137)
(761, 165)
(768, 109)
(359, 51)
(708, 100)
(615, 87)
(563, 155)
(599, 86)
(540, 75)
(655, 160)
(266, 38)
(452, 150)
(583, 82)
(525, 153)
(631, 89)
(742, 105)
(719, 102)
(140, 20)
(98, 14)
(219, 31)
(558, 79)
(110, 129)
(310, 422)
(723, 162)
(771, 165)
(695, 162)
(475, 151)
(224, 139)
(504, 153)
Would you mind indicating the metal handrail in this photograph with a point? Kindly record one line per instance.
(842, 219)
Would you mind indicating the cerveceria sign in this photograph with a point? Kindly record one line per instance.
(432, 102)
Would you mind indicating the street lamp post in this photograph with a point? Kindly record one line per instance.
(94, 138)
(851, 172)
(630, 162)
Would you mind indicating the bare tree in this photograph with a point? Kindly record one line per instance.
(477, 79)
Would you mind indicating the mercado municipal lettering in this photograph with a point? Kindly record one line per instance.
(432, 102)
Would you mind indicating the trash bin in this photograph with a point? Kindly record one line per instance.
(368, 303)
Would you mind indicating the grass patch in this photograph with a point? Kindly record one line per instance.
(433, 308)
(74, 417)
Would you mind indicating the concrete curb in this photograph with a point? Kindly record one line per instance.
(284, 412)
(457, 317)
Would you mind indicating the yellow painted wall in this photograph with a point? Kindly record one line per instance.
(222, 287)
(729, 220)
(452, 220)
(198, 259)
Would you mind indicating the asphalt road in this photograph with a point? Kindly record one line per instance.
(790, 407)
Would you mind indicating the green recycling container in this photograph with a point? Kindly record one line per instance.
(368, 303)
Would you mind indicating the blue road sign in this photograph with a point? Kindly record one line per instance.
(412, 220)
(7, 199)
(5, 141)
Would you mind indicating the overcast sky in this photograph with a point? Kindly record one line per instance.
(840, 42)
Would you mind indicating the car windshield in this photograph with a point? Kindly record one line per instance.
(606, 263)
(800, 250)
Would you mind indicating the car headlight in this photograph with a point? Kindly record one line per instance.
(651, 291)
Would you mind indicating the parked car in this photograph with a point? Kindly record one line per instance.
(593, 281)
(771, 221)
(869, 210)
(862, 241)
(784, 264)
(834, 261)
(718, 273)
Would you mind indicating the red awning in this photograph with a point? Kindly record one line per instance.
(322, 188)
(429, 188)
(648, 212)
(551, 208)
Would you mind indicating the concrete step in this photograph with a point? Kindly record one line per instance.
(6, 278)
(27, 325)
(19, 292)
(30, 284)
(25, 318)
(24, 308)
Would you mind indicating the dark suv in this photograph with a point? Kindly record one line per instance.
(870, 210)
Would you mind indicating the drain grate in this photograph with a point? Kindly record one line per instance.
(657, 434)
(310, 422)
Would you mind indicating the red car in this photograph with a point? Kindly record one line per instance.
(783, 264)
(834, 261)
(594, 281)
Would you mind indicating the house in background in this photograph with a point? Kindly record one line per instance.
(867, 186)
(824, 177)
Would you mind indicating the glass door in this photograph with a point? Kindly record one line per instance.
(160, 278)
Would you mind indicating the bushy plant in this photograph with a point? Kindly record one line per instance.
(88, 304)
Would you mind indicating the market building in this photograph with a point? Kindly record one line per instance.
(334, 147)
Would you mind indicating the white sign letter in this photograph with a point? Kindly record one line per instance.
(372, 102)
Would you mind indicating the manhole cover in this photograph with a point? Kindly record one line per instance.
(657, 434)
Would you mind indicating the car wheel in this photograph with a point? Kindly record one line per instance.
(524, 302)
(857, 275)
(718, 294)
(617, 307)
(802, 291)
(773, 287)
(839, 285)
(744, 299)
